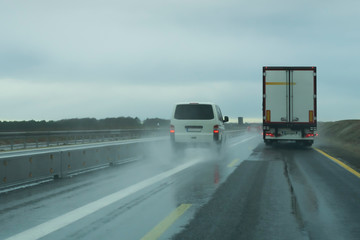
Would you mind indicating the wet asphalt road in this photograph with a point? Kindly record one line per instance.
(249, 192)
(282, 192)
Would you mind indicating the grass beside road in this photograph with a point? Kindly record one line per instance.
(341, 139)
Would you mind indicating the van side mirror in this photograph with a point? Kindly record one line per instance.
(226, 119)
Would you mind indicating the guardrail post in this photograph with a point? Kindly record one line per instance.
(25, 143)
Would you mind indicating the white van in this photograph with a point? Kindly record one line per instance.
(197, 124)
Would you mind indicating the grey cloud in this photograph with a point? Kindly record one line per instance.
(170, 43)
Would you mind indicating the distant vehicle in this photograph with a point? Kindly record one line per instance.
(289, 104)
(254, 128)
(197, 124)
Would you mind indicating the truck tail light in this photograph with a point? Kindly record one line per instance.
(270, 135)
(309, 135)
(172, 129)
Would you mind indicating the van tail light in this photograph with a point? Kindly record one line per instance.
(216, 132)
(172, 129)
(216, 129)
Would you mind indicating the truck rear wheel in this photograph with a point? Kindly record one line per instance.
(309, 143)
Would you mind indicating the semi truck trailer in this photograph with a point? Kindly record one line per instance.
(289, 104)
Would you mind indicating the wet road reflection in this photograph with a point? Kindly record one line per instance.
(137, 214)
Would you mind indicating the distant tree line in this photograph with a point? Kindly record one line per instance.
(83, 124)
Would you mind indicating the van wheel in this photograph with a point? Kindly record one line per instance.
(219, 146)
(177, 147)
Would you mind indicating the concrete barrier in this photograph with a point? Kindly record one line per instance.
(27, 168)
(79, 160)
(17, 169)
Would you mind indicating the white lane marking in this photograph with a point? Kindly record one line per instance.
(26, 185)
(81, 212)
(242, 141)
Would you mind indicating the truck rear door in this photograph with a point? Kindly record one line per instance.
(302, 96)
(289, 95)
(277, 97)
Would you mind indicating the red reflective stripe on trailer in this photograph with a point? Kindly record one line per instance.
(264, 93)
(315, 96)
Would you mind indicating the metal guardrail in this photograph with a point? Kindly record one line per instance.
(234, 133)
(39, 139)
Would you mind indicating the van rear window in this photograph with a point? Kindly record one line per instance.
(194, 112)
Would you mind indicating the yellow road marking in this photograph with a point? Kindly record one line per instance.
(159, 229)
(234, 162)
(339, 162)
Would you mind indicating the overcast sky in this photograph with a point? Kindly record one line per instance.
(83, 58)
